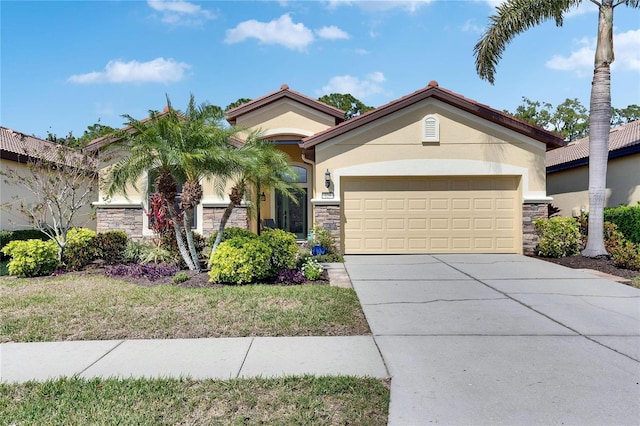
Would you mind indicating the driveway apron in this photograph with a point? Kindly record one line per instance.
(501, 339)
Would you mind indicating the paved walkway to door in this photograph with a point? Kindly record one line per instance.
(501, 339)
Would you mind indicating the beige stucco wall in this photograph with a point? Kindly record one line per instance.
(468, 145)
(286, 117)
(11, 197)
(570, 188)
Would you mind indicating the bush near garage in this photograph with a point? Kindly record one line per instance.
(624, 253)
(627, 218)
(284, 249)
(558, 236)
(31, 258)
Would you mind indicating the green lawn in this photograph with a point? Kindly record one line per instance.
(76, 307)
(296, 401)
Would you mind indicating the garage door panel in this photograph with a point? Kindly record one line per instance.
(432, 215)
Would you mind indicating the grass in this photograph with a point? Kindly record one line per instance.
(89, 307)
(292, 400)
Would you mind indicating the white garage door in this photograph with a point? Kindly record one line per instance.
(473, 214)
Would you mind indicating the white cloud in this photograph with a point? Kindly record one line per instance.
(280, 31)
(471, 26)
(360, 88)
(361, 52)
(159, 70)
(332, 33)
(179, 12)
(626, 48)
(380, 5)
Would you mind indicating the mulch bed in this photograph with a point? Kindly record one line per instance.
(602, 265)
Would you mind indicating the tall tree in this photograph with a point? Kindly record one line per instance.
(351, 106)
(268, 168)
(183, 148)
(570, 118)
(240, 101)
(516, 16)
(620, 116)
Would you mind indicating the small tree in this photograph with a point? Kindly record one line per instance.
(61, 182)
(351, 106)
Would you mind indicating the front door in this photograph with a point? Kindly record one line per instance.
(290, 216)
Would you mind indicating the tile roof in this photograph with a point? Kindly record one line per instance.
(19, 146)
(284, 92)
(432, 90)
(576, 153)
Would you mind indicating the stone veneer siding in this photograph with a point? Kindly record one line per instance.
(128, 220)
(211, 217)
(329, 218)
(530, 212)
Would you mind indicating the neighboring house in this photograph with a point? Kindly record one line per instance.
(568, 172)
(431, 172)
(16, 152)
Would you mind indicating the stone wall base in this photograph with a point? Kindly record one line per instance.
(530, 212)
(211, 217)
(128, 220)
(328, 217)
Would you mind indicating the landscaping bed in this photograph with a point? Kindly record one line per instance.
(598, 264)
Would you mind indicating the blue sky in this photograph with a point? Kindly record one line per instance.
(66, 64)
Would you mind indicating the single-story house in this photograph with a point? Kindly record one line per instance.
(17, 152)
(431, 172)
(568, 172)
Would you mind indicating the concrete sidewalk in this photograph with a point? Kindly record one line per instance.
(221, 358)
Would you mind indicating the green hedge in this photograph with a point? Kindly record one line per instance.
(627, 218)
(559, 236)
(31, 258)
(240, 260)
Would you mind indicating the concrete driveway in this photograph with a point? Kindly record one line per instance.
(501, 339)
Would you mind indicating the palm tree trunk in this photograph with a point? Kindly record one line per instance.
(223, 223)
(189, 232)
(235, 199)
(599, 127)
(181, 247)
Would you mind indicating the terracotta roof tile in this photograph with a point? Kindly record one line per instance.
(19, 146)
(621, 137)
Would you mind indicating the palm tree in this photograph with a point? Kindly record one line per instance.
(267, 168)
(516, 16)
(183, 148)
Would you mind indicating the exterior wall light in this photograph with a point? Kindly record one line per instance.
(327, 179)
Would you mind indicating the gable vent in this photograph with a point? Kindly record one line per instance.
(430, 129)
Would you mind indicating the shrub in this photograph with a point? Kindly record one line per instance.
(81, 248)
(150, 271)
(625, 254)
(180, 277)
(20, 235)
(31, 258)
(157, 255)
(559, 236)
(311, 269)
(284, 249)
(324, 238)
(627, 218)
(330, 258)
(240, 260)
(229, 233)
(111, 246)
(290, 277)
(134, 251)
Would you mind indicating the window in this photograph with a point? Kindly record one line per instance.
(430, 129)
(151, 178)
